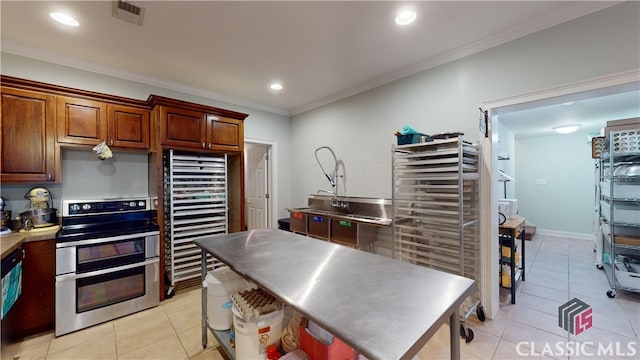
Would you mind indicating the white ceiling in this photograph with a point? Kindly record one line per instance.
(590, 110)
(231, 51)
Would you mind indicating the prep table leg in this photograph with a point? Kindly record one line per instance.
(204, 300)
(454, 333)
(524, 235)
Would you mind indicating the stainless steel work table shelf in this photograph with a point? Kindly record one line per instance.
(383, 308)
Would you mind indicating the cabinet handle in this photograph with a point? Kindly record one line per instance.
(111, 142)
(203, 145)
(209, 145)
(49, 176)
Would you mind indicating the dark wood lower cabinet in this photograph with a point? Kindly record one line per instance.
(34, 311)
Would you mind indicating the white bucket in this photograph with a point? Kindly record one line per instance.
(220, 284)
(253, 336)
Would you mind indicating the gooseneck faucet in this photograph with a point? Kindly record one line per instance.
(333, 180)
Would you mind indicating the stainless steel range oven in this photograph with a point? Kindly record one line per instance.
(107, 261)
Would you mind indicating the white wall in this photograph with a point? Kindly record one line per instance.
(258, 125)
(84, 176)
(446, 98)
(565, 202)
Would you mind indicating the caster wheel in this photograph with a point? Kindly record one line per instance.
(169, 293)
(599, 266)
(480, 313)
(469, 336)
(611, 294)
(466, 334)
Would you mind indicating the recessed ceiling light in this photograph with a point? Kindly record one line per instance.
(406, 17)
(566, 129)
(276, 86)
(64, 19)
(568, 103)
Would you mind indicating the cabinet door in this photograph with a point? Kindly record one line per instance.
(128, 127)
(224, 133)
(27, 145)
(34, 312)
(81, 121)
(182, 128)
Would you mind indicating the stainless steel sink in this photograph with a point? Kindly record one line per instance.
(344, 216)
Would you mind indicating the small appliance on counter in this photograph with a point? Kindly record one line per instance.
(41, 216)
(6, 218)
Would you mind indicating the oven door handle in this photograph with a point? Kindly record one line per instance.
(107, 239)
(72, 276)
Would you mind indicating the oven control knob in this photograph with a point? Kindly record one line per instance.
(132, 204)
(141, 203)
(74, 207)
(86, 207)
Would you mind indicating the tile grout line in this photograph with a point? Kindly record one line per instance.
(177, 335)
(115, 338)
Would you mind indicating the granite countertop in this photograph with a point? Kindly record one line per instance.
(12, 241)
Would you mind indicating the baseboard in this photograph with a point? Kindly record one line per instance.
(565, 234)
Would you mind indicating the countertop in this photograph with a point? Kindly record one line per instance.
(383, 308)
(364, 219)
(10, 242)
(514, 223)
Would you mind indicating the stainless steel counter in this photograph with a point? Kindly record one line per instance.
(383, 308)
(368, 220)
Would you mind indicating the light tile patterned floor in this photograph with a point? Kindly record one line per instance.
(559, 269)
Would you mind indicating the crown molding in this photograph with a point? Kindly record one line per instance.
(55, 58)
(571, 11)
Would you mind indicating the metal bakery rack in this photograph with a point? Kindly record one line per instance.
(435, 211)
(619, 165)
(195, 203)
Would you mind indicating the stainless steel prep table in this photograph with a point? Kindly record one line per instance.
(383, 308)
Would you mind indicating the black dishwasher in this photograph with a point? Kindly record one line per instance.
(11, 280)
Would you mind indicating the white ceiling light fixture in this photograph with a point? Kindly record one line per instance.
(566, 129)
(568, 103)
(276, 86)
(406, 17)
(64, 19)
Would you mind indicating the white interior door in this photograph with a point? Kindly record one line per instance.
(257, 187)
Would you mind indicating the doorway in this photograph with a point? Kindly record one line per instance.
(492, 189)
(259, 170)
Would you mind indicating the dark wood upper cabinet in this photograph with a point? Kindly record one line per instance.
(186, 125)
(90, 122)
(81, 121)
(128, 127)
(182, 128)
(225, 134)
(28, 151)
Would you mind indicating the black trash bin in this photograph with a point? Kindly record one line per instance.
(283, 224)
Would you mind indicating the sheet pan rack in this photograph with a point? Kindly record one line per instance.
(436, 211)
(195, 193)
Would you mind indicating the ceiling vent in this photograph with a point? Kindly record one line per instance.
(128, 12)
